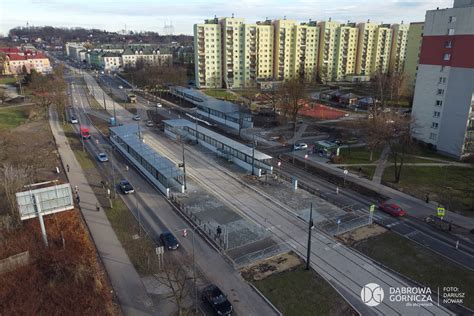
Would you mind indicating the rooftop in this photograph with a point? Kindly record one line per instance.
(129, 134)
(225, 140)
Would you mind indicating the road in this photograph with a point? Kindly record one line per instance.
(347, 270)
(157, 215)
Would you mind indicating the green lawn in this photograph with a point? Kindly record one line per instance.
(140, 251)
(221, 94)
(355, 155)
(12, 117)
(7, 80)
(451, 186)
(300, 292)
(419, 263)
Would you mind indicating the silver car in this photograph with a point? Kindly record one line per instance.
(102, 157)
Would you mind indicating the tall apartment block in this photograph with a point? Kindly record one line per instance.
(232, 54)
(399, 47)
(208, 54)
(346, 44)
(443, 106)
(328, 49)
(415, 35)
(366, 48)
(381, 53)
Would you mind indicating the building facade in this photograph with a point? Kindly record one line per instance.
(18, 63)
(399, 47)
(443, 107)
(415, 34)
(232, 54)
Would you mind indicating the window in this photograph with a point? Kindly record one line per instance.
(442, 80)
(447, 57)
(450, 31)
(434, 125)
(439, 102)
(433, 136)
(452, 19)
(436, 114)
(440, 92)
(448, 44)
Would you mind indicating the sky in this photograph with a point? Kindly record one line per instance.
(152, 15)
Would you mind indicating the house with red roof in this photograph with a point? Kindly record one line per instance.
(17, 61)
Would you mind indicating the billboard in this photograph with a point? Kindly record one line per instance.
(51, 199)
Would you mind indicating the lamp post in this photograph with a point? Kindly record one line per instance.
(138, 211)
(253, 155)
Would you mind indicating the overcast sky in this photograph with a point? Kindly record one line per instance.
(113, 15)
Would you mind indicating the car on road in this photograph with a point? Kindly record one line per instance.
(300, 146)
(126, 187)
(169, 241)
(102, 157)
(74, 120)
(392, 209)
(137, 118)
(149, 124)
(159, 105)
(218, 301)
(120, 87)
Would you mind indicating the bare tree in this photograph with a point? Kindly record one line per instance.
(291, 94)
(397, 86)
(13, 179)
(380, 86)
(174, 275)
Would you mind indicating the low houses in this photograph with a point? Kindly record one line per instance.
(349, 99)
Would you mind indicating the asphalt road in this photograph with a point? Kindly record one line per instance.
(157, 215)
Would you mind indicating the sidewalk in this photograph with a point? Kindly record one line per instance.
(125, 280)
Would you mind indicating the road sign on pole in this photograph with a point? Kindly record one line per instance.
(441, 211)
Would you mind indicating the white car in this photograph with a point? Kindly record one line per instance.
(120, 87)
(102, 157)
(74, 120)
(137, 118)
(159, 105)
(300, 146)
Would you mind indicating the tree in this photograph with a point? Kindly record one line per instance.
(13, 179)
(380, 86)
(174, 276)
(291, 94)
(397, 86)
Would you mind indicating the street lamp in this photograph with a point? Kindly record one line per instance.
(311, 226)
(138, 211)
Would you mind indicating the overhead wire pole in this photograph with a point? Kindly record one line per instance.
(308, 254)
(253, 155)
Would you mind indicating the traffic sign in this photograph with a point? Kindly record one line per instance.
(441, 211)
(372, 208)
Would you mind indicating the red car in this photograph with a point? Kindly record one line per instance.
(392, 209)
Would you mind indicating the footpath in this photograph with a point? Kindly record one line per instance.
(125, 280)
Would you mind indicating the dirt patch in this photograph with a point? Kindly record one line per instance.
(362, 233)
(263, 269)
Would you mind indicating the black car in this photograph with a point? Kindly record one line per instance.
(218, 301)
(126, 187)
(169, 241)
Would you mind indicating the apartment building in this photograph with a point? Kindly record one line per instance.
(208, 54)
(443, 106)
(327, 49)
(415, 35)
(399, 47)
(232, 54)
(381, 54)
(17, 62)
(258, 52)
(148, 55)
(346, 48)
(366, 48)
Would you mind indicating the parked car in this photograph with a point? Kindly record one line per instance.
(300, 146)
(102, 157)
(169, 241)
(218, 301)
(159, 105)
(352, 140)
(74, 120)
(392, 209)
(149, 123)
(120, 87)
(137, 118)
(126, 187)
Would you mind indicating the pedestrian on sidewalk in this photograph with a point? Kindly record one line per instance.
(67, 167)
(76, 190)
(78, 199)
(427, 198)
(97, 207)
